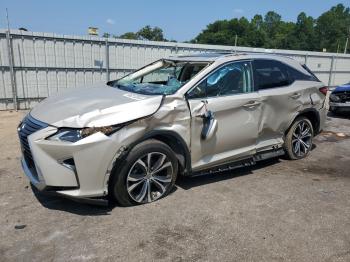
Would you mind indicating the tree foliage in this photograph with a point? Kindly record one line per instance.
(145, 33)
(129, 35)
(329, 31)
(326, 32)
(149, 33)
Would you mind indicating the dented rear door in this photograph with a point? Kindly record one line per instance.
(280, 99)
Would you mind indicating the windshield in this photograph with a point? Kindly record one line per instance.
(164, 77)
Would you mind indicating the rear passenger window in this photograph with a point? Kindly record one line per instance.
(270, 74)
(297, 75)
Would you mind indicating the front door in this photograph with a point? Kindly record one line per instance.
(229, 97)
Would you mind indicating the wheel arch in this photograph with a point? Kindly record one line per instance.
(176, 143)
(173, 140)
(313, 115)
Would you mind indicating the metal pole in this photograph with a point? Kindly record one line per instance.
(347, 41)
(346, 45)
(338, 48)
(107, 60)
(236, 43)
(331, 72)
(10, 56)
(335, 63)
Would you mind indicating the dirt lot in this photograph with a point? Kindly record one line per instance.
(276, 211)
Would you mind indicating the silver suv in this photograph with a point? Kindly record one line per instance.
(185, 115)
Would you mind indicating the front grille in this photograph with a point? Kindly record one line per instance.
(344, 96)
(28, 126)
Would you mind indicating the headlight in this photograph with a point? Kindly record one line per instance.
(74, 135)
(334, 98)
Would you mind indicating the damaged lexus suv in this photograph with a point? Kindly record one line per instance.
(185, 115)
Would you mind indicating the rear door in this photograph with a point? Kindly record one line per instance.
(281, 99)
(229, 94)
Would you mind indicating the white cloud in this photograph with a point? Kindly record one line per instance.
(110, 21)
(238, 11)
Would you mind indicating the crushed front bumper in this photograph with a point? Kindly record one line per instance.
(43, 162)
(32, 176)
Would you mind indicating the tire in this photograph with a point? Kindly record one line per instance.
(134, 182)
(293, 137)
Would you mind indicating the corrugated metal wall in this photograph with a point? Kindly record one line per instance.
(45, 63)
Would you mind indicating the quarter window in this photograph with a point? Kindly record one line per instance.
(311, 76)
(233, 78)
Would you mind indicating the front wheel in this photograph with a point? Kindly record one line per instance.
(298, 142)
(148, 173)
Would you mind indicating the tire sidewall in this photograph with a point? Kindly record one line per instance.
(289, 137)
(118, 188)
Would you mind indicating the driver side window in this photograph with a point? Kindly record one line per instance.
(230, 79)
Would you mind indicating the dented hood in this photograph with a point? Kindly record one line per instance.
(95, 107)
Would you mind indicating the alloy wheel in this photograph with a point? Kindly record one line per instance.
(149, 177)
(302, 139)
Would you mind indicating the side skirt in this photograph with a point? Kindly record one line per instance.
(241, 163)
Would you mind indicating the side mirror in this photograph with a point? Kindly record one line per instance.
(112, 82)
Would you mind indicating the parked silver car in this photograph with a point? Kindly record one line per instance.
(185, 115)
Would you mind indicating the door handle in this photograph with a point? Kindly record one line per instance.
(251, 104)
(295, 95)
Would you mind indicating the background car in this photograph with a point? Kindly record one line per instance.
(339, 99)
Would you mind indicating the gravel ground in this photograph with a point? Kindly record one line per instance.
(278, 210)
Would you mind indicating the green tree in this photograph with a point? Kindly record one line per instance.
(149, 33)
(129, 35)
(333, 27)
(145, 33)
(270, 31)
(273, 26)
(272, 22)
(256, 36)
(223, 32)
(303, 37)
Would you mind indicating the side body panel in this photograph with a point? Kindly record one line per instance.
(286, 89)
(279, 107)
(236, 133)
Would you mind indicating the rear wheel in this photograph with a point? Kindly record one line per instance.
(298, 141)
(148, 173)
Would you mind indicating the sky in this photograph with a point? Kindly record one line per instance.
(180, 20)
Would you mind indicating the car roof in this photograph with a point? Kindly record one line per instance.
(199, 56)
(227, 56)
